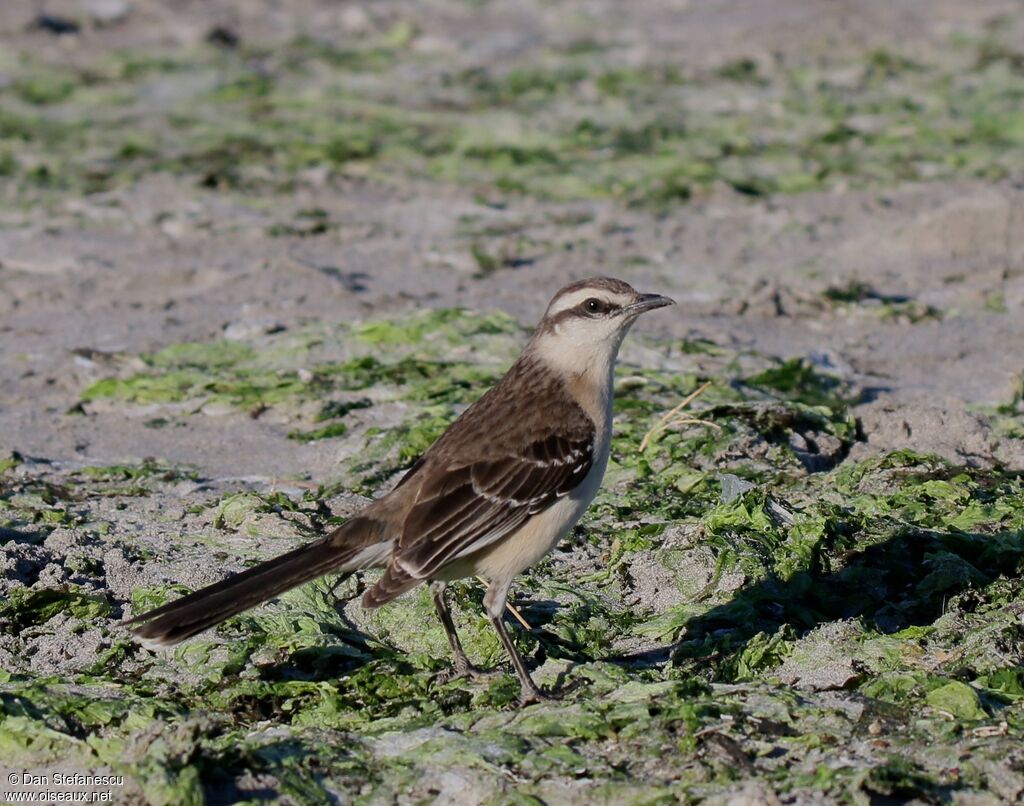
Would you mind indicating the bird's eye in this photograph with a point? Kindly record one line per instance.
(594, 305)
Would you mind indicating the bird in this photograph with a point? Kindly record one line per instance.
(492, 496)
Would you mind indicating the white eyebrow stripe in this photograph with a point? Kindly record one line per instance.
(570, 300)
(576, 297)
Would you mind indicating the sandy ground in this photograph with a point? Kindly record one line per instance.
(161, 262)
(907, 289)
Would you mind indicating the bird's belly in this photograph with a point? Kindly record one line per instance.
(509, 557)
(513, 554)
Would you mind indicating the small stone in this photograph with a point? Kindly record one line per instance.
(107, 12)
(245, 329)
(218, 408)
(355, 20)
(733, 487)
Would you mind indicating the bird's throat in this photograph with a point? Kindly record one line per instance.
(591, 386)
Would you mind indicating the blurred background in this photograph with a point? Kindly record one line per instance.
(836, 181)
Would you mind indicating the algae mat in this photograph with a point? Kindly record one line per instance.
(254, 260)
(722, 618)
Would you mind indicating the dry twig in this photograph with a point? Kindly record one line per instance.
(511, 609)
(676, 417)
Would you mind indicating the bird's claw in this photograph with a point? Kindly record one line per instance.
(534, 696)
(465, 672)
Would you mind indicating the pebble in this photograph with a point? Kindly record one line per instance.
(245, 329)
(107, 12)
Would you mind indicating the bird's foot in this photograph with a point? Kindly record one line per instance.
(532, 695)
(466, 671)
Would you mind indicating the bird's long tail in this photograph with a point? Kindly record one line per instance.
(354, 545)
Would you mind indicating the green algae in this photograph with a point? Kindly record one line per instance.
(221, 371)
(252, 378)
(902, 569)
(958, 700)
(237, 128)
(446, 324)
(26, 607)
(324, 432)
(916, 563)
(10, 461)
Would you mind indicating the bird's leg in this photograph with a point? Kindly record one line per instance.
(462, 664)
(528, 691)
(463, 668)
(494, 601)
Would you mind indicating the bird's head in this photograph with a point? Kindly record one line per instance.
(587, 320)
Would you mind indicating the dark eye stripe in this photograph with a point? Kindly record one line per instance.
(578, 311)
(595, 306)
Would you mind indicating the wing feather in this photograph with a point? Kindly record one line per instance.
(494, 498)
(494, 468)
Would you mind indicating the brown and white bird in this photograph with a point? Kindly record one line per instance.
(492, 496)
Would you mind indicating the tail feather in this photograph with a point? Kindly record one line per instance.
(207, 607)
(395, 581)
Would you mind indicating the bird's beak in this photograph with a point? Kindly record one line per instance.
(648, 302)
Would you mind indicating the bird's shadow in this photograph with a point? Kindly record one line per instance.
(30, 537)
(903, 581)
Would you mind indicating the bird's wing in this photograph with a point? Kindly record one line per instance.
(467, 506)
